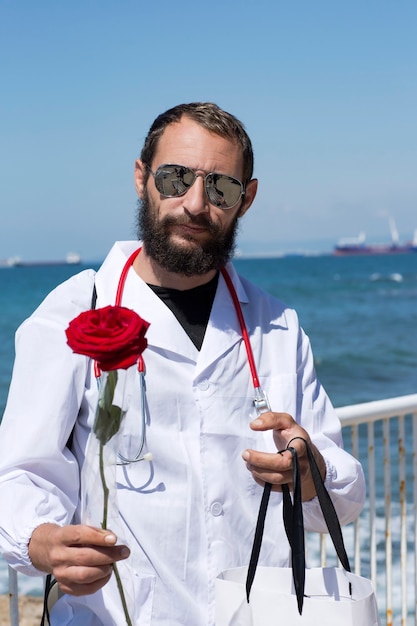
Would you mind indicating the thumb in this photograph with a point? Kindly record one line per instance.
(83, 534)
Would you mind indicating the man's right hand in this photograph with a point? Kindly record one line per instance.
(79, 557)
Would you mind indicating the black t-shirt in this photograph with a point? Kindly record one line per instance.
(191, 307)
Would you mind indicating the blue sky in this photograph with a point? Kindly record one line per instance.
(326, 89)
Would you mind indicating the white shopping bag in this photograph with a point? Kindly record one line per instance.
(296, 596)
(333, 597)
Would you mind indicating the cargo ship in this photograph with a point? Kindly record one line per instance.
(358, 246)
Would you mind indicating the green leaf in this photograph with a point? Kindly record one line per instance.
(108, 416)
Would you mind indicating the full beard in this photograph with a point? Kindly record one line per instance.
(194, 259)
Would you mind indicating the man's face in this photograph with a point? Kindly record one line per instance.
(196, 258)
(187, 234)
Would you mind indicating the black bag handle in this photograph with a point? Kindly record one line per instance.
(294, 524)
(292, 511)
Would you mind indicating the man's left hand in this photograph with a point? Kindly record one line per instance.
(277, 468)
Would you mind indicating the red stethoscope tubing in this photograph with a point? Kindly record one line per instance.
(119, 294)
(123, 276)
(238, 308)
(243, 328)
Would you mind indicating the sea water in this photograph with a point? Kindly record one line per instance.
(359, 312)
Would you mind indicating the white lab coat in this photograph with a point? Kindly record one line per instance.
(189, 513)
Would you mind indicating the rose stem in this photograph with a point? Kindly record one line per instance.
(122, 595)
(105, 488)
(104, 526)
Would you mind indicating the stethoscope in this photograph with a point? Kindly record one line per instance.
(260, 399)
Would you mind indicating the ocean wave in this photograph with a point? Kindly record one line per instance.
(394, 277)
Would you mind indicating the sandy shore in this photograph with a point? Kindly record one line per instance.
(30, 610)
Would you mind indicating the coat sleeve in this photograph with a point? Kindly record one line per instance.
(39, 476)
(344, 476)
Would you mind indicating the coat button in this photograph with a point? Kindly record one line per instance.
(203, 385)
(216, 509)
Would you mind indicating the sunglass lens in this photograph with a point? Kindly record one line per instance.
(223, 191)
(173, 180)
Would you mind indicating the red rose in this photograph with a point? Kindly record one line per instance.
(113, 336)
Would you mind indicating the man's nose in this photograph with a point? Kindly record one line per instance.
(196, 200)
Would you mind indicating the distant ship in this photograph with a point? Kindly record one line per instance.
(72, 258)
(358, 245)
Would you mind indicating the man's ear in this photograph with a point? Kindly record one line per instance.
(250, 193)
(140, 177)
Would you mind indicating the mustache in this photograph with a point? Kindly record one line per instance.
(196, 220)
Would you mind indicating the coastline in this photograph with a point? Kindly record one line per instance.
(30, 610)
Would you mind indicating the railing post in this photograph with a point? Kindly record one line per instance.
(403, 514)
(388, 526)
(372, 503)
(415, 510)
(13, 597)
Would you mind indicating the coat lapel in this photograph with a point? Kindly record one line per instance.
(165, 332)
(223, 330)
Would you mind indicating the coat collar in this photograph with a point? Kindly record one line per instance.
(165, 332)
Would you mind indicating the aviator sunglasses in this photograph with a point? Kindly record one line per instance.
(173, 181)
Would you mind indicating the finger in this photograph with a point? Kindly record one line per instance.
(265, 467)
(273, 421)
(79, 581)
(83, 590)
(96, 555)
(82, 534)
(276, 462)
(275, 478)
(84, 546)
(263, 475)
(285, 429)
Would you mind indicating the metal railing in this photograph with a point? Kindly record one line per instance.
(383, 541)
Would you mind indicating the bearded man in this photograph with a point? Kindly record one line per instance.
(228, 378)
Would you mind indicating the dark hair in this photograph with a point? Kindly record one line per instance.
(209, 116)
